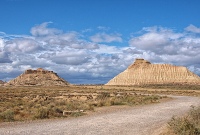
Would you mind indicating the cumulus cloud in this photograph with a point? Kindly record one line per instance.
(79, 60)
(84, 45)
(1, 43)
(158, 40)
(70, 57)
(107, 38)
(22, 45)
(130, 50)
(192, 28)
(4, 57)
(163, 45)
(42, 30)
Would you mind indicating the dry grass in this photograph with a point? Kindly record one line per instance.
(29, 103)
(172, 86)
(186, 90)
(185, 125)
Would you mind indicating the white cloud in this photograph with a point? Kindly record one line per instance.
(130, 50)
(22, 45)
(107, 38)
(70, 57)
(4, 57)
(42, 30)
(158, 40)
(6, 68)
(192, 28)
(84, 45)
(78, 60)
(105, 49)
(2, 44)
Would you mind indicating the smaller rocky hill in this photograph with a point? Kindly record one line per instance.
(2, 82)
(39, 77)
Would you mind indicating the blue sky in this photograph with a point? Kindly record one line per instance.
(91, 41)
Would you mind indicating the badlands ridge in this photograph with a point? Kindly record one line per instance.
(143, 72)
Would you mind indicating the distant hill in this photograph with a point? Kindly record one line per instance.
(143, 72)
(2, 82)
(39, 77)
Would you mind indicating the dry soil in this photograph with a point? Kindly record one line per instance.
(141, 120)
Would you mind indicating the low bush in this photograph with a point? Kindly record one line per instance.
(7, 116)
(27, 103)
(187, 125)
(42, 113)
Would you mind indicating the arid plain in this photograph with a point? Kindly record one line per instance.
(145, 107)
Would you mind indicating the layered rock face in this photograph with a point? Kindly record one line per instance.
(143, 72)
(39, 77)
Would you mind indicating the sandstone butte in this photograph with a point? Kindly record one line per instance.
(142, 72)
(39, 77)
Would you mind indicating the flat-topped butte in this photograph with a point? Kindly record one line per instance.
(142, 72)
(39, 77)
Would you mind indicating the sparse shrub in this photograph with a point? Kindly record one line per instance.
(55, 112)
(72, 106)
(7, 116)
(76, 114)
(42, 113)
(60, 102)
(151, 98)
(188, 125)
(112, 102)
(117, 101)
(101, 103)
(195, 115)
(90, 107)
(103, 95)
(26, 103)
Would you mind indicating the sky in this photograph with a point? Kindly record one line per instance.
(91, 41)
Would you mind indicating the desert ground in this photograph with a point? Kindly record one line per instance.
(89, 109)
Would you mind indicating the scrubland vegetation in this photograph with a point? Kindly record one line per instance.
(172, 86)
(29, 103)
(185, 125)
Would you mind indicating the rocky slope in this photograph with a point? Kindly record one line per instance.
(143, 72)
(2, 82)
(39, 77)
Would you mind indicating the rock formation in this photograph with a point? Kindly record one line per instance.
(2, 83)
(39, 77)
(143, 72)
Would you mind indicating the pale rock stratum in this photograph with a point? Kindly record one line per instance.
(39, 77)
(142, 72)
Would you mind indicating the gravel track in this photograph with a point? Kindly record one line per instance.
(141, 120)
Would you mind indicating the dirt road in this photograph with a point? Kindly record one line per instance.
(142, 120)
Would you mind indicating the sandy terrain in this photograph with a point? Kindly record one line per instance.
(141, 120)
